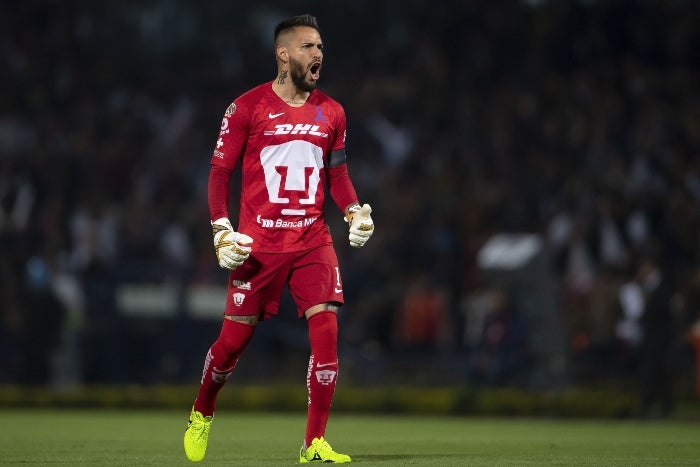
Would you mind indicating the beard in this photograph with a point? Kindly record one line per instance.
(298, 75)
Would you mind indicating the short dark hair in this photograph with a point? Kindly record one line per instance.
(294, 21)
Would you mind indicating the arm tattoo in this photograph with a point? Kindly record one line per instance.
(283, 77)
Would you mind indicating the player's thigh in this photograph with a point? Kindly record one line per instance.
(315, 279)
(255, 287)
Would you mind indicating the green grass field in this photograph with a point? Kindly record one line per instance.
(136, 438)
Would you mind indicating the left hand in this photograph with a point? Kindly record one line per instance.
(361, 224)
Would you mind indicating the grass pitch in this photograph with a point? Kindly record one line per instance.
(136, 438)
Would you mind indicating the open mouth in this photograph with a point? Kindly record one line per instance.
(315, 70)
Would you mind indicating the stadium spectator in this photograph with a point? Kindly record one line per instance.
(562, 118)
(423, 320)
(657, 323)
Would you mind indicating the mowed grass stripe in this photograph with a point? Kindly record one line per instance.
(135, 438)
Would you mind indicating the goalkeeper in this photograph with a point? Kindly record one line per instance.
(289, 139)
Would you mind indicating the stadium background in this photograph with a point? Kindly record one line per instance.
(520, 158)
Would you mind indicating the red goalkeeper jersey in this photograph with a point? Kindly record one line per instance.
(284, 152)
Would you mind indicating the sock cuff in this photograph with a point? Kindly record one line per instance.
(322, 317)
(323, 336)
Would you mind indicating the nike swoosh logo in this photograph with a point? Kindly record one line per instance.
(271, 115)
(337, 290)
(321, 365)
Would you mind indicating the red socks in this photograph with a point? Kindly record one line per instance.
(220, 362)
(322, 373)
(320, 378)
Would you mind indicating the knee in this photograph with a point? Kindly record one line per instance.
(235, 336)
(324, 324)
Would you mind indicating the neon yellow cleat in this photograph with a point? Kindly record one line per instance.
(321, 451)
(197, 435)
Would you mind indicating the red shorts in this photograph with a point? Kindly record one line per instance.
(313, 276)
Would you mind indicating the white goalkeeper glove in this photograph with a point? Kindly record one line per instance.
(361, 224)
(232, 248)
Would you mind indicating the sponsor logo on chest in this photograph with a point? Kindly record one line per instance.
(296, 129)
(285, 224)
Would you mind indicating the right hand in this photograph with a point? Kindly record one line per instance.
(232, 248)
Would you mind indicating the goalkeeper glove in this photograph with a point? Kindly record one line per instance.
(361, 224)
(232, 248)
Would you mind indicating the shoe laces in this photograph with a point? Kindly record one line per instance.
(323, 444)
(199, 426)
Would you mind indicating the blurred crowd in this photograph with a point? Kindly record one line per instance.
(576, 121)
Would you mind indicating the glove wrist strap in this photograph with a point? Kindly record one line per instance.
(350, 211)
